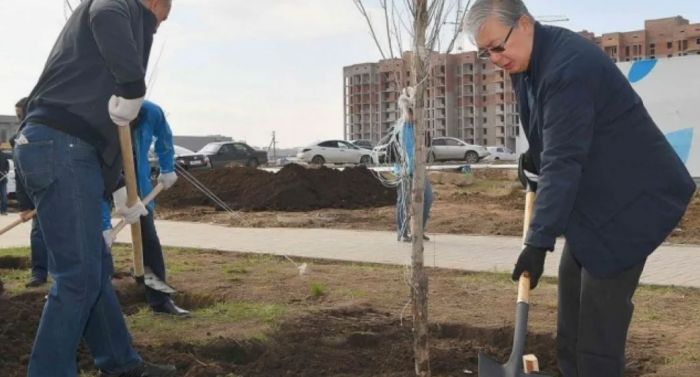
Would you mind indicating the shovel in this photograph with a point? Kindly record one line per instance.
(13, 224)
(132, 197)
(515, 367)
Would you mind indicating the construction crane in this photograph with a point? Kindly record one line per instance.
(551, 19)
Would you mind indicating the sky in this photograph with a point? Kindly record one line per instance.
(244, 68)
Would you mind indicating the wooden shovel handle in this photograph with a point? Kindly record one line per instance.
(524, 281)
(13, 224)
(132, 196)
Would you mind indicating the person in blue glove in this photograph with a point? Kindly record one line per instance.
(68, 155)
(151, 128)
(592, 147)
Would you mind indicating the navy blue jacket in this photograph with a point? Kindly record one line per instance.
(609, 180)
(102, 50)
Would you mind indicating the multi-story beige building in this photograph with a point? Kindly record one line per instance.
(472, 99)
(661, 38)
(467, 98)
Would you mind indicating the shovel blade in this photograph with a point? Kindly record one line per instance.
(489, 367)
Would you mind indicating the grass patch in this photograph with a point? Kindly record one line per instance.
(220, 313)
(14, 281)
(15, 252)
(317, 289)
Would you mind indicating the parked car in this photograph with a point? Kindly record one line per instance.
(334, 151)
(501, 153)
(378, 154)
(452, 149)
(366, 144)
(183, 157)
(232, 153)
(190, 160)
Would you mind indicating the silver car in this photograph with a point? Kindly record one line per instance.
(453, 149)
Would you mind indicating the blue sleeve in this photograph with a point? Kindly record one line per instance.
(164, 144)
(567, 134)
(106, 216)
(409, 141)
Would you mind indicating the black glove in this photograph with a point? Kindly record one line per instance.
(527, 171)
(531, 259)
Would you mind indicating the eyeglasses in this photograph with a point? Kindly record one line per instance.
(485, 53)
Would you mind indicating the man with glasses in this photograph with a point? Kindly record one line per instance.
(607, 178)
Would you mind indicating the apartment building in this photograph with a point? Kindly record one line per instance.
(465, 98)
(661, 38)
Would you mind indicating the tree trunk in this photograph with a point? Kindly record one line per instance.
(419, 278)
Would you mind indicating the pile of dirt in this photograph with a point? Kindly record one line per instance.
(293, 188)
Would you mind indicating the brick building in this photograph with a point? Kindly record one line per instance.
(661, 38)
(465, 98)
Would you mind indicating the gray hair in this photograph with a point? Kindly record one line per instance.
(508, 12)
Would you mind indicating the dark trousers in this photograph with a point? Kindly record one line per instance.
(62, 175)
(153, 258)
(3, 194)
(40, 257)
(593, 317)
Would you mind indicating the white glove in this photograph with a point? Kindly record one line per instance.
(107, 235)
(122, 110)
(167, 179)
(130, 214)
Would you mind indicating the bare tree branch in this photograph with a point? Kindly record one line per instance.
(388, 31)
(458, 26)
(362, 10)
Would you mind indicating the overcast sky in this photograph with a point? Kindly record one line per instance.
(245, 68)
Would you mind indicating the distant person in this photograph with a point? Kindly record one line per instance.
(592, 148)
(68, 154)
(401, 149)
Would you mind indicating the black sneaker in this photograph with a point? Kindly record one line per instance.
(169, 308)
(145, 369)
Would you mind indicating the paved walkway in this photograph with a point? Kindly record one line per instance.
(670, 265)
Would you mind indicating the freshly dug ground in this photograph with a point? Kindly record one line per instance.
(293, 188)
(485, 201)
(254, 315)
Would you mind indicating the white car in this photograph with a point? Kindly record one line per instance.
(501, 154)
(453, 149)
(335, 152)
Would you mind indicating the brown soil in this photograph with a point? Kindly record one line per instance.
(353, 325)
(487, 202)
(293, 188)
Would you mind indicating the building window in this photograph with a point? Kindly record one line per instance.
(669, 45)
(697, 41)
(485, 121)
(486, 130)
(652, 45)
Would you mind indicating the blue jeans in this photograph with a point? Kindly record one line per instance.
(40, 257)
(62, 176)
(153, 258)
(3, 196)
(403, 205)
